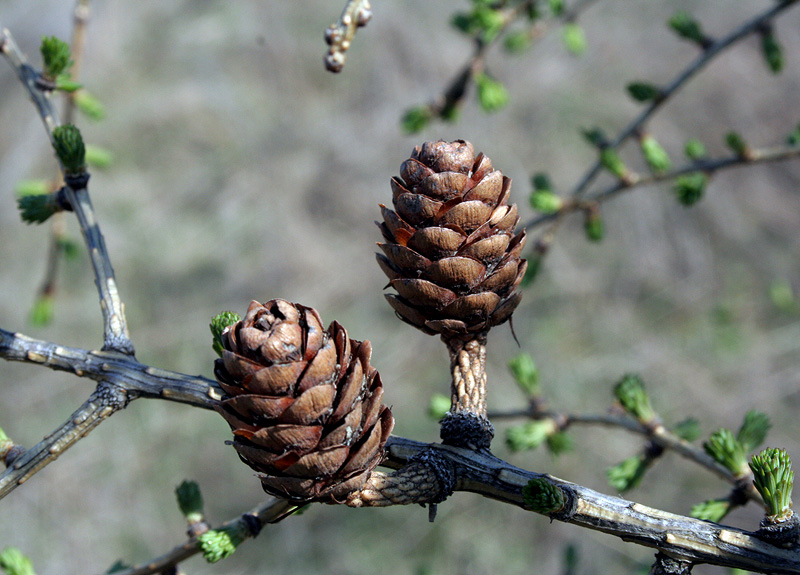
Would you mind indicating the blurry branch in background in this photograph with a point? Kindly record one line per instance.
(691, 179)
(59, 245)
(488, 25)
(339, 36)
(115, 332)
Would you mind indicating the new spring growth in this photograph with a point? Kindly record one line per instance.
(712, 510)
(574, 38)
(525, 373)
(627, 474)
(736, 143)
(630, 393)
(689, 189)
(56, 57)
(773, 53)
(654, 154)
(190, 501)
(688, 28)
(218, 544)
(643, 91)
(543, 199)
(492, 95)
(753, 431)
(695, 150)
(69, 147)
(218, 324)
(439, 406)
(773, 478)
(727, 451)
(542, 496)
(530, 435)
(416, 119)
(593, 223)
(13, 562)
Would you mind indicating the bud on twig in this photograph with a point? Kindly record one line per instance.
(542, 496)
(13, 562)
(69, 147)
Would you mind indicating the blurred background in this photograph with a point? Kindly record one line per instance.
(242, 170)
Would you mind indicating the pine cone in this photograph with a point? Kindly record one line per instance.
(304, 403)
(450, 251)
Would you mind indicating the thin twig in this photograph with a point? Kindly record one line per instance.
(476, 471)
(101, 404)
(339, 35)
(634, 180)
(115, 332)
(55, 250)
(457, 88)
(749, 27)
(265, 513)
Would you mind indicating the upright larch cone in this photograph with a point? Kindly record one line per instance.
(303, 402)
(451, 252)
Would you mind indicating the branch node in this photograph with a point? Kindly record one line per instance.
(466, 429)
(445, 474)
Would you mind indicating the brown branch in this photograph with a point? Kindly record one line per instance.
(659, 434)
(265, 513)
(714, 49)
(115, 332)
(339, 35)
(103, 403)
(475, 471)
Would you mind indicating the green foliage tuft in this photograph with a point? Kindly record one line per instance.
(595, 136)
(42, 311)
(793, 139)
(438, 406)
(98, 157)
(56, 57)
(492, 94)
(627, 474)
(773, 53)
(712, 510)
(559, 442)
(36, 208)
(483, 20)
(190, 500)
(593, 224)
(13, 562)
(689, 189)
(89, 105)
(782, 295)
(574, 38)
(655, 155)
(530, 435)
(542, 496)
(218, 324)
(69, 147)
(688, 28)
(541, 182)
(688, 429)
(736, 143)
(416, 119)
(66, 84)
(774, 480)
(3, 437)
(545, 201)
(218, 544)
(613, 163)
(69, 248)
(32, 188)
(525, 373)
(517, 41)
(754, 430)
(727, 451)
(556, 7)
(630, 392)
(695, 149)
(643, 91)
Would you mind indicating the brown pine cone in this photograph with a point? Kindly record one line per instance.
(450, 251)
(304, 403)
